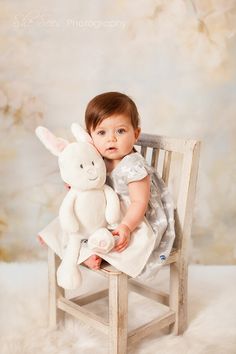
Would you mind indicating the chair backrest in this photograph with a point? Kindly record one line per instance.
(176, 161)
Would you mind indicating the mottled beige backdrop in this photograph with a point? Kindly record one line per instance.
(175, 58)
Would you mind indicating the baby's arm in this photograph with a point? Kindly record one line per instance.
(139, 193)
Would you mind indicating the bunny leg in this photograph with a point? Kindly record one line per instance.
(68, 274)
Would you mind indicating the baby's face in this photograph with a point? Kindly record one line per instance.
(115, 137)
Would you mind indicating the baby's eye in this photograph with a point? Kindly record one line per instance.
(101, 132)
(121, 131)
(81, 166)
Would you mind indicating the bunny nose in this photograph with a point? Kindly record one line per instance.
(92, 173)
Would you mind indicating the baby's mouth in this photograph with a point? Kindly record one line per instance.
(111, 149)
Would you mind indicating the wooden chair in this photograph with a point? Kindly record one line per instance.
(177, 161)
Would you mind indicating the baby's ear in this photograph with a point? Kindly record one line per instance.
(137, 133)
(54, 144)
(80, 134)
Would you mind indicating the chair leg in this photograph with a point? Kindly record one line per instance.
(54, 291)
(178, 296)
(118, 313)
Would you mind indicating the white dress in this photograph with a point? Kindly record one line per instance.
(151, 242)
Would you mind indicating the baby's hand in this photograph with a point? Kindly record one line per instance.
(124, 237)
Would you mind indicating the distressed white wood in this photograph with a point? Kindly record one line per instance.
(84, 315)
(155, 156)
(106, 270)
(184, 213)
(173, 257)
(54, 291)
(166, 143)
(89, 297)
(166, 166)
(147, 291)
(153, 326)
(143, 151)
(118, 313)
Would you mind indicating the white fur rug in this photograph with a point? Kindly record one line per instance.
(23, 311)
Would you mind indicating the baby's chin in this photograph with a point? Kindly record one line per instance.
(113, 155)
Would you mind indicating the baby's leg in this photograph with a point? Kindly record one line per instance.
(93, 262)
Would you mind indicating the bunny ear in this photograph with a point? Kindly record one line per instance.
(51, 142)
(80, 134)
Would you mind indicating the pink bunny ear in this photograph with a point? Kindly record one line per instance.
(80, 134)
(51, 142)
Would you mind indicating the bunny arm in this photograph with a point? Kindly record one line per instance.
(68, 220)
(112, 212)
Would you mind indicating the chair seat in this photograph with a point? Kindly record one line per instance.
(107, 269)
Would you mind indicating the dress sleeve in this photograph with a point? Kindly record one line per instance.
(136, 169)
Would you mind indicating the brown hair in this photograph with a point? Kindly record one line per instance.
(107, 104)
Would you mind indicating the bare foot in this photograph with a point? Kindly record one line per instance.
(93, 262)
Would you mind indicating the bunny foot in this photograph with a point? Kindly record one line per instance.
(69, 277)
(101, 241)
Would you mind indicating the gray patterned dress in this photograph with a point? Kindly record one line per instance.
(160, 212)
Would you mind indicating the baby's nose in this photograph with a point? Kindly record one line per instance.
(112, 137)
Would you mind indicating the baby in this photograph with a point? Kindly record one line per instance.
(112, 120)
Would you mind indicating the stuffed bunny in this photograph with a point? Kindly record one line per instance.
(90, 205)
